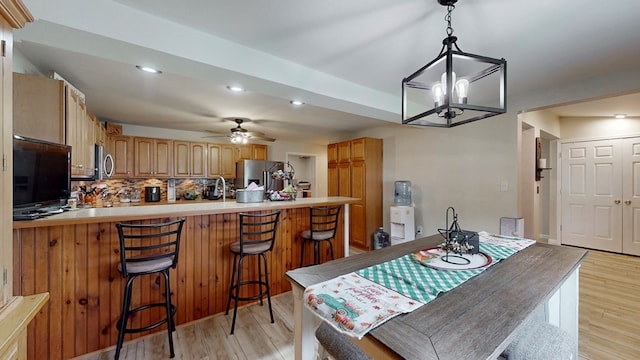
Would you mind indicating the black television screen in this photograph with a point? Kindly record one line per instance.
(41, 173)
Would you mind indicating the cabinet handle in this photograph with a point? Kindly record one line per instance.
(617, 202)
(80, 166)
(627, 202)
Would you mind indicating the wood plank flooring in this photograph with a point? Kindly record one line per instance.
(609, 322)
(609, 307)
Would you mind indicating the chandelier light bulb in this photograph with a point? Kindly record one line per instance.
(438, 94)
(462, 89)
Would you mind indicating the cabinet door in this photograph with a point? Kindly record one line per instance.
(38, 107)
(214, 168)
(143, 156)
(332, 176)
(121, 149)
(6, 175)
(245, 152)
(359, 210)
(198, 160)
(72, 129)
(228, 161)
(259, 152)
(344, 151)
(332, 153)
(163, 158)
(89, 141)
(182, 165)
(358, 149)
(344, 179)
(358, 234)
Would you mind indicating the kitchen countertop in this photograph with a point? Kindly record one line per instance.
(138, 211)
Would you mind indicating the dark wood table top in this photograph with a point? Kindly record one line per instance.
(476, 320)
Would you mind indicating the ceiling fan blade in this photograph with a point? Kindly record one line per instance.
(261, 137)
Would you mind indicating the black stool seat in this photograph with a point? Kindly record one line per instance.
(257, 236)
(147, 249)
(323, 225)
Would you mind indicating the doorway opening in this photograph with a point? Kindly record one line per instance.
(305, 176)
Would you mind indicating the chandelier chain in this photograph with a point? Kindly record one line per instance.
(447, 18)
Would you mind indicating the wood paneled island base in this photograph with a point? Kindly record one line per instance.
(76, 262)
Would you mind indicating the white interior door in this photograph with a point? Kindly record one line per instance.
(591, 194)
(631, 196)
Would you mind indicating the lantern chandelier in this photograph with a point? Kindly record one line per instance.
(478, 83)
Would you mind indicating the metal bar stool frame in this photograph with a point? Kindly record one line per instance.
(137, 259)
(323, 223)
(257, 237)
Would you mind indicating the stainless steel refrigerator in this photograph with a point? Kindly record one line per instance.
(259, 172)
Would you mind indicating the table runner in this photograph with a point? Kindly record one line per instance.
(357, 302)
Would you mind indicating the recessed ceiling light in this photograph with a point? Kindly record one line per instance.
(296, 102)
(621, 116)
(148, 69)
(235, 88)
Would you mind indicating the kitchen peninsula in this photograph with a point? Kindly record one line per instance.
(74, 257)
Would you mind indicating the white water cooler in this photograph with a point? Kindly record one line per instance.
(403, 226)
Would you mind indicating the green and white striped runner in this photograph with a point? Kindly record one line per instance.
(423, 283)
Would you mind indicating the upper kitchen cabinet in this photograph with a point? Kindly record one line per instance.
(121, 149)
(221, 161)
(48, 109)
(332, 153)
(251, 152)
(358, 173)
(344, 151)
(80, 130)
(39, 107)
(152, 157)
(190, 159)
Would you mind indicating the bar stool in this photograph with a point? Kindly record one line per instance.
(323, 224)
(147, 249)
(257, 236)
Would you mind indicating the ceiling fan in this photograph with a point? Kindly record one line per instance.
(240, 135)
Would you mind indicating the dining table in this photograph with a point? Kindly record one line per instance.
(476, 320)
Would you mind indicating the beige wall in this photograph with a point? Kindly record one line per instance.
(461, 167)
(595, 127)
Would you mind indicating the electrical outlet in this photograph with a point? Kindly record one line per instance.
(419, 230)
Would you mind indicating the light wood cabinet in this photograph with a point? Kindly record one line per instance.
(39, 107)
(80, 129)
(6, 175)
(332, 153)
(259, 152)
(17, 314)
(48, 109)
(344, 151)
(251, 152)
(152, 157)
(228, 161)
(121, 149)
(358, 173)
(189, 159)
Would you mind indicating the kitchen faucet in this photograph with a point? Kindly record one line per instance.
(224, 189)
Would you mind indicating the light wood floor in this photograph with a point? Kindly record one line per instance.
(609, 322)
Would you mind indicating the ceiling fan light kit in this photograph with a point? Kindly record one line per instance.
(240, 135)
(477, 90)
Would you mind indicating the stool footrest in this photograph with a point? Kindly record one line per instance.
(261, 294)
(148, 327)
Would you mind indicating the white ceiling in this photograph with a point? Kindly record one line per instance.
(344, 59)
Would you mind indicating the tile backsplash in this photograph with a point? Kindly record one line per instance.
(115, 187)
